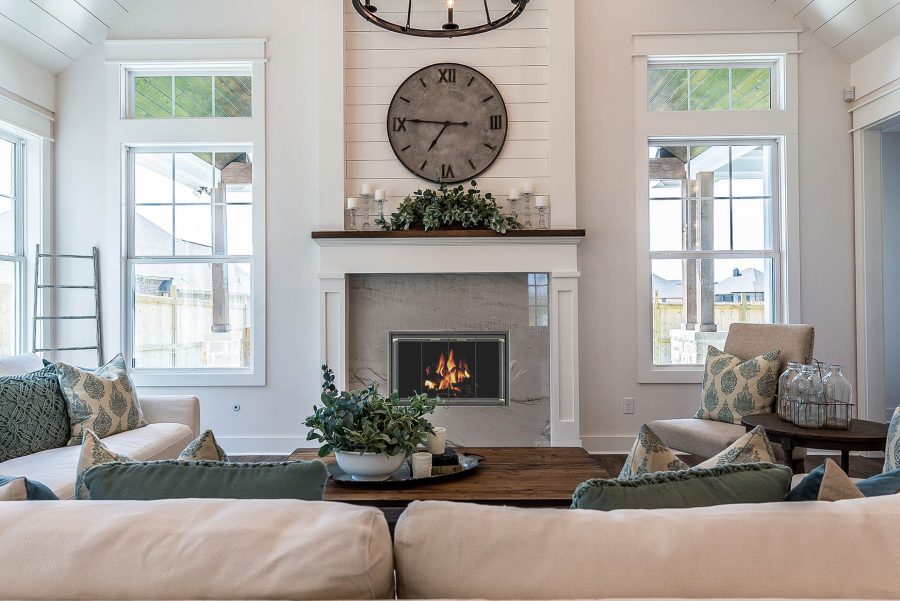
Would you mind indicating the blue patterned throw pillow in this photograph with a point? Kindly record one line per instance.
(23, 489)
(733, 388)
(103, 401)
(204, 448)
(33, 415)
(892, 451)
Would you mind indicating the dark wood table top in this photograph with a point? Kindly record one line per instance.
(523, 477)
(860, 431)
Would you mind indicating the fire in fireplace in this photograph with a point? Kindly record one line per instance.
(461, 369)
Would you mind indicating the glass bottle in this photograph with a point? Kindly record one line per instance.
(809, 393)
(839, 396)
(784, 400)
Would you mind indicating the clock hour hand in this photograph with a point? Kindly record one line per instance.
(435, 141)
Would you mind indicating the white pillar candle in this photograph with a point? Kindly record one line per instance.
(514, 194)
(528, 188)
(421, 465)
(437, 442)
(542, 202)
(352, 203)
(366, 189)
(379, 194)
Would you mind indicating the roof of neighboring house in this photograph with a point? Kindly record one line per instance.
(748, 280)
(667, 288)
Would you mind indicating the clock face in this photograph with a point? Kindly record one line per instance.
(447, 122)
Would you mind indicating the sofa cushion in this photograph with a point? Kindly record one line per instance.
(194, 549)
(733, 388)
(765, 551)
(752, 447)
(649, 454)
(103, 401)
(23, 489)
(746, 483)
(204, 448)
(705, 438)
(155, 480)
(56, 467)
(892, 450)
(20, 364)
(33, 415)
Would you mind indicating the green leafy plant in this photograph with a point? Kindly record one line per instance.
(363, 421)
(449, 207)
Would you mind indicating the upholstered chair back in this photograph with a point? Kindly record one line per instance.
(748, 340)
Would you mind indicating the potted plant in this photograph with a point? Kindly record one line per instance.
(371, 435)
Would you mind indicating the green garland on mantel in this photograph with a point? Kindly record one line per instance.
(449, 208)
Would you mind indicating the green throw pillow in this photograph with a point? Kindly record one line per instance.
(892, 451)
(724, 485)
(33, 415)
(733, 388)
(103, 401)
(207, 480)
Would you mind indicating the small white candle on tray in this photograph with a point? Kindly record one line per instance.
(437, 442)
(421, 465)
(542, 202)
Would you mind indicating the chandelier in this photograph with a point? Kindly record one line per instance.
(450, 29)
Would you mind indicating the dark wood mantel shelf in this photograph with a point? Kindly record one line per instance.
(379, 235)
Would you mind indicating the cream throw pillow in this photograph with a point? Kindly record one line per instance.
(752, 447)
(93, 452)
(102, 401)
(733, 388)
(837, 485)
(204, 448)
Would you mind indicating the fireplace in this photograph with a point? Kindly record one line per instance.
(466, 369)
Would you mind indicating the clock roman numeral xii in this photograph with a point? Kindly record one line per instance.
(448, 123)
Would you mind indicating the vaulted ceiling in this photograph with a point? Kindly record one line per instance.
(53, 33)
(852, 27)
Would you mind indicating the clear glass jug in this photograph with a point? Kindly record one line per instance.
(809, 394)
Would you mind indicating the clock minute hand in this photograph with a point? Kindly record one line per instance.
(463, 123)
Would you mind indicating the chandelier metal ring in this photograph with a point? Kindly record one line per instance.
(369, 11)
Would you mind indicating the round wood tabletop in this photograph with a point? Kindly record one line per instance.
(860, 430)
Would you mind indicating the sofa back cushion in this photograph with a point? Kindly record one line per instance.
(20, 364)
(206, 480)
(33, 415)
(774, 550)
(743, 483)
(195, 549)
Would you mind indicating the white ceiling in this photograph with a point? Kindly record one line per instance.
(852, 27)
(53, 33)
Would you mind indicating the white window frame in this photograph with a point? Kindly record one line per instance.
(175, 57)
(19, 255)
(781, 123)
(736, 62)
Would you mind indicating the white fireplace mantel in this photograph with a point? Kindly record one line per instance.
(555, 254)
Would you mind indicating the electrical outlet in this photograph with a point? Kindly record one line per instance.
(236, 408)
(628, 406)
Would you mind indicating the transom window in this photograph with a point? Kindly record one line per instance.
(714, 242)
(187, 94)
(12, 244)
(191, 257)
(701, 86)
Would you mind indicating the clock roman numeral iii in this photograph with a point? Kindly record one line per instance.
(448, 123)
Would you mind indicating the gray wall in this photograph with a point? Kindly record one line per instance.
(891, 245)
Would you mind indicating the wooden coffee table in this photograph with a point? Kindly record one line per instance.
(862, 436)
(521, 477)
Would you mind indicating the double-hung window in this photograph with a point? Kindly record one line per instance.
(12, 244)
(716, 163)
(193, 184)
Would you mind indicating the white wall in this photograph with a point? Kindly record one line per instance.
(26, 80)
(606, 189)
(876, 69)
(890, 154)
(270, 417)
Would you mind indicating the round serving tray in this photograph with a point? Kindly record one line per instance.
(468, 462)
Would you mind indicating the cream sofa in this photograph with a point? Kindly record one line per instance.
(227, 549)
(173, 422)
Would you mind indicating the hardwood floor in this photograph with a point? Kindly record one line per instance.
(860, 467)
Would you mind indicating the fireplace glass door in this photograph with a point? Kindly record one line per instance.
(459, 368)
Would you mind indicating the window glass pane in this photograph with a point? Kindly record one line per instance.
(751, 89)
(193, 96)
(239, 229)
(152, 97)
(709, 90)
(7, 169)
(8, 308)
(153, 231)
(7, 226)
(194, 315)
(193, 230)
(710, 171)
(153, 178)
(233, 96)
(193, 177)
(742, 291)
(668, 89)
(752, 171)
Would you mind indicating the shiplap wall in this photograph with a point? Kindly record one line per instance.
(516, 58)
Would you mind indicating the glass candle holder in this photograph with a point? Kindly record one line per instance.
(351, 222)
(528, 197)
(366, 203)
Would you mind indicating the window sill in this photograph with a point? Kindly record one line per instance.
(675, 374)
(212, 378)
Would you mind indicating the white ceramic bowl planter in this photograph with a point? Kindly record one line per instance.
(369, 467)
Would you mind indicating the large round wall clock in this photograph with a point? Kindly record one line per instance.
(447, 123)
